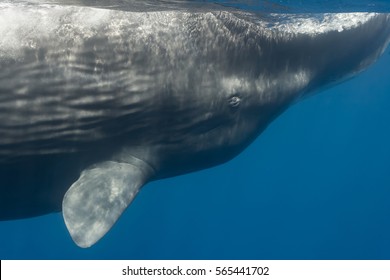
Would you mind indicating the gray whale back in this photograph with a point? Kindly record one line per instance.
(95, 102)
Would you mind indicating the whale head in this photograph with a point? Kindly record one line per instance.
(259, 67)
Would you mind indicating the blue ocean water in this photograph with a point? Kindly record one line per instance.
(314, 185)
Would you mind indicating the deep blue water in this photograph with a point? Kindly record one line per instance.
(314, 185)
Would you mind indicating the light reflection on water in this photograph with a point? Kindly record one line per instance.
(275, 6)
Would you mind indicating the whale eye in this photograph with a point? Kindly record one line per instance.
(234, 101)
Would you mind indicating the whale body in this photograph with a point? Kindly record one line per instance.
(96, 102)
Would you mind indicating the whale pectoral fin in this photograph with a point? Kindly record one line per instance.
(95, 201)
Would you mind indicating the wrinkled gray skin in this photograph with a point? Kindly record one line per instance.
(94, 103)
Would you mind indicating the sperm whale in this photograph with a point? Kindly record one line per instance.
(97, 102)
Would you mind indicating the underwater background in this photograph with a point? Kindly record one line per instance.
(314, 185)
